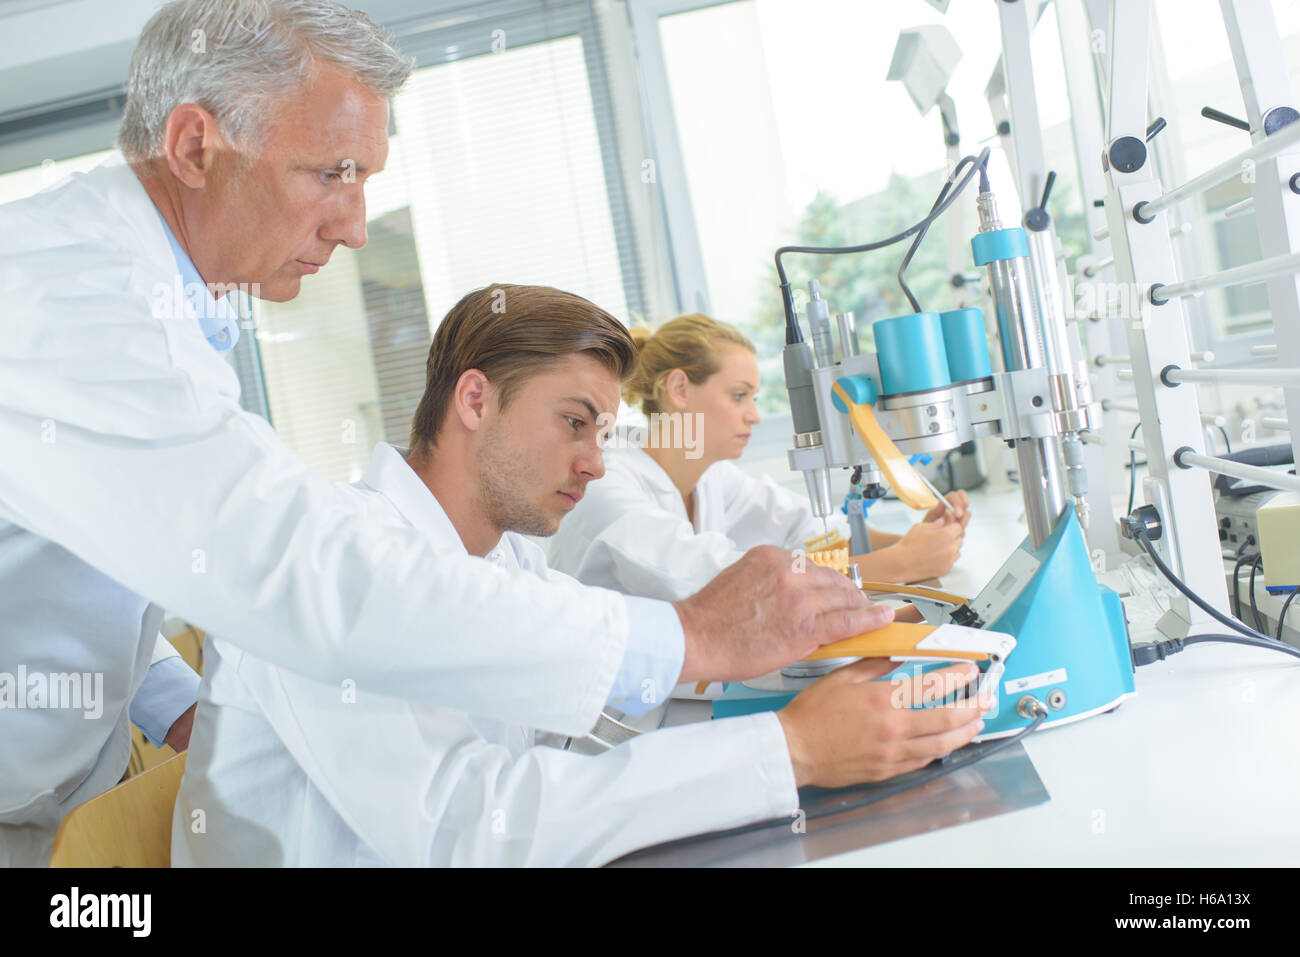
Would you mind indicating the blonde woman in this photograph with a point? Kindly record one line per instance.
(665, 519)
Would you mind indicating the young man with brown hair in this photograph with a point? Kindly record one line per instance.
(284, 770)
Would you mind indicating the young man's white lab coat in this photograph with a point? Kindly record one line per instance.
(284, 770)
(630, 531)
(122, 441)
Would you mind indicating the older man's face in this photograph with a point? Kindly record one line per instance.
(303, 197)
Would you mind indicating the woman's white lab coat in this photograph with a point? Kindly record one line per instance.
(284, 770)
(122, 440)
(630, 531)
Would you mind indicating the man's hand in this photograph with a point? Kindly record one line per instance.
(960, 503)
(178, 735)
(849, 728)
(766, 611)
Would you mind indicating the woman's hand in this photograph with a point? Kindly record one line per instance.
(960, 503)
(927, 551)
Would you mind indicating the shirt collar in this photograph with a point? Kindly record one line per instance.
(389, 474)
(218, 320)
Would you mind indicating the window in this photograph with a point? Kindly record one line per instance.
(790, 134)
(497, 172)
(506, 165)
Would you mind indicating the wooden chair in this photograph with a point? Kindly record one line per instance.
(127, 826)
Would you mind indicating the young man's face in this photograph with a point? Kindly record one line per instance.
(535, 459)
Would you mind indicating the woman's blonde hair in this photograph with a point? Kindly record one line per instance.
(689, 343)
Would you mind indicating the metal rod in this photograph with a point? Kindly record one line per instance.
(1236, 209)
(1269, 350)
(1125, 360)
(1174, 233)
(1283, 377)
(1275, 422)
(1206, 418)
(1137, 445)
(1279, 142)
(1108, 404)
(1251, 473)
(848, 329)
(1251, 272)
(1099, 265)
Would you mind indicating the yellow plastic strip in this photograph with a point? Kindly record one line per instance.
(920, 591)
(902, 478)
(898, 638)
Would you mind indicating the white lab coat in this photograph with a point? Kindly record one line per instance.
(59, 615)
(284, 770)
(630, 531)
(123, 441)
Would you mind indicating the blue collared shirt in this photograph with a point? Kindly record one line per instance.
(218, 319)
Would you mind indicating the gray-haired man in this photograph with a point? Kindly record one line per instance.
(250, 130)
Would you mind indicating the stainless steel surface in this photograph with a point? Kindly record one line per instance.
(1003, 783)
(819, 491)
(1041, 486)
(848, 327)
(813, 669)
(1026, 346)
(778, 681)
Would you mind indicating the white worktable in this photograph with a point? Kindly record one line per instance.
(1201, 767)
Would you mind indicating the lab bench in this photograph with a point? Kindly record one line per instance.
(1200, 768)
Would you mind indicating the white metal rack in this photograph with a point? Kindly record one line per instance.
(1138, 228)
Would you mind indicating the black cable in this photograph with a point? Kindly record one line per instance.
(873, 797)
(1281, 616)
(787, 296)
(916, 243)
(1254, 607)
(1148, 652)
(1227, 444)
(1132, 469)
(1242, 558)
(1140, 536)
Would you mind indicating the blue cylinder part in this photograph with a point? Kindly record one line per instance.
(999, 244)
(861, 389)
(963, 339)
(911, 353)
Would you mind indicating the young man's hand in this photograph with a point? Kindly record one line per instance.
(849, 728)
(767, 610)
